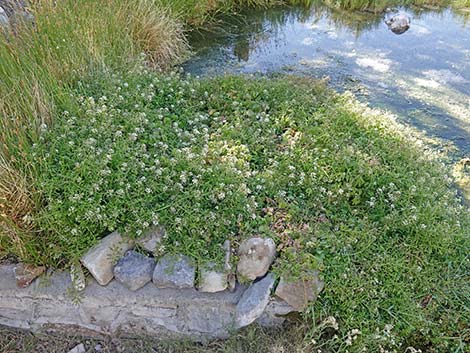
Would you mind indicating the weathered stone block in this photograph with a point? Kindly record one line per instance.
(254, 301)
(174, 271)
(255, 257)
(100, 259)
(299, 293)
(208, 318)
(134, 270)
(211, 280)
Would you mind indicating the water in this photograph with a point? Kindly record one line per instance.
(422, 75)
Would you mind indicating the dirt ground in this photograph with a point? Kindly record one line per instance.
(251, 340)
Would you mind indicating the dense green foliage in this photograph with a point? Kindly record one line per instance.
(286, 158)
(91, 141)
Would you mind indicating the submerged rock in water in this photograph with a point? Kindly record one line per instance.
(399, 23)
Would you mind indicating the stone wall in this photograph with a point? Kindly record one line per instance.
(168, 313)
(134, 293)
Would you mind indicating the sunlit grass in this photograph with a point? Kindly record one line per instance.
(337, 186)
(82, 126)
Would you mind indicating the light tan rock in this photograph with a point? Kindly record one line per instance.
(301, 292)
(255, 257)
(101, 258)
(211, 280)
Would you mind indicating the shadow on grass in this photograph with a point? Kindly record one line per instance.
(250, 340)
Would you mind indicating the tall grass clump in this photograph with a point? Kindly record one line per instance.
(41, 60)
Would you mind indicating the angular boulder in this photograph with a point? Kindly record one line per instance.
(255, 257)
(134, 270)
(253, 301)
(174, 271)
(300, 292)
(100, 259)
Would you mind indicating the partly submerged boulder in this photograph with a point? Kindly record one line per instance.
(399, 23)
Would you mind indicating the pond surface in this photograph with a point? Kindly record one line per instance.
(422, 75)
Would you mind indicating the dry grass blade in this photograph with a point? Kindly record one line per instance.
(16, 207)
(157, 33)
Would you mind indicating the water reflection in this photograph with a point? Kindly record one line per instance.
(423, 74)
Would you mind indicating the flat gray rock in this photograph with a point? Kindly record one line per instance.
(174, 271)
(255, 257)
(134, 270)
(254, 301)
(100, 259)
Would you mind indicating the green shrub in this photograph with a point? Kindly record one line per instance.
(336, 187)
(91, 142)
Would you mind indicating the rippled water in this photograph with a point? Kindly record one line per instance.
(422, 75)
